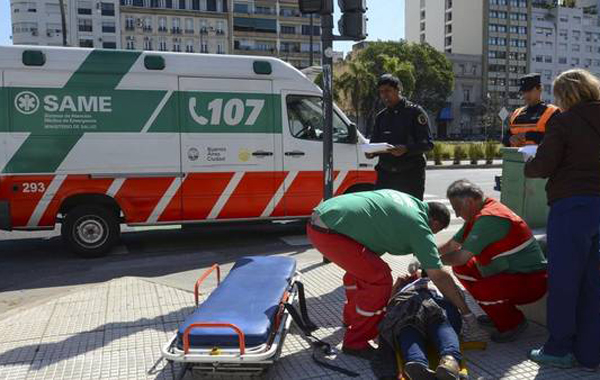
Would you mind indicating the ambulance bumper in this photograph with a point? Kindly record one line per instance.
(5, 216)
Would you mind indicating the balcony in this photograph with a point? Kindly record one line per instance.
(148, 29)
(162, 29)
(176, 30)
(129, 27)
(189, 31)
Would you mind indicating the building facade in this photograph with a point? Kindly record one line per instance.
(563, 38)
(250, 27)
(197, 26)
(36, 23)
(276, 28)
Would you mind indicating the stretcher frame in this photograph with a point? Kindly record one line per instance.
(241, 360)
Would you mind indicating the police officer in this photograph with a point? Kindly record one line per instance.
(528, 123)
(404, 125)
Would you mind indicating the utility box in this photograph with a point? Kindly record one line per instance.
(525, 196)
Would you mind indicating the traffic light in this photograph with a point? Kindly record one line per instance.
(316, 6)
(353, 23)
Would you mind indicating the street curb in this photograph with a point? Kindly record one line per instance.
(443, 167)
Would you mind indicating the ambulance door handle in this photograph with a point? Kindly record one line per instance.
(295, 153)
(261, 153)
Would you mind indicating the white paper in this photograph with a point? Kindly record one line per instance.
(376, 147)
(528, 151)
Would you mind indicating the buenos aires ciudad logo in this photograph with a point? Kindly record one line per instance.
(27, 102)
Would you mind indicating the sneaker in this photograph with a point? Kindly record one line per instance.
(565, 362)
(485, 321)
(418, 371)
(449, 369)
(366, 353)
(510, 335)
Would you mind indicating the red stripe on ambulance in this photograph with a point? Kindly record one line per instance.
(252, 195)
(24, 192)
(139, 196)
(201, 191)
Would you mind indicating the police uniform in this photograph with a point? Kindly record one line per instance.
(405, 124)
(530, 120)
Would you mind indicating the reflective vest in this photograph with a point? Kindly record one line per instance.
(519, 237)
(539, 126)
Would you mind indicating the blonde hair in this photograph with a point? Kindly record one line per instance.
(576, 86)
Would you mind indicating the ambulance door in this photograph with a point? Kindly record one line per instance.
(303, 152)
(228, 148)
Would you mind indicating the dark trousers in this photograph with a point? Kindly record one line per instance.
(574, 279)
(411, 182)
(444, 336)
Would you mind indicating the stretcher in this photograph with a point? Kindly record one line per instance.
(241, 326)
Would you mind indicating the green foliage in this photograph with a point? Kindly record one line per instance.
(438, 153)
(460, 154)
(491, 151)
(425, 73)
(475, 153)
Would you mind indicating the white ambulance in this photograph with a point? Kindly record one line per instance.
(95, 138)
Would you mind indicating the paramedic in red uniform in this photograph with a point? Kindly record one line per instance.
(496, 258)
(354, 230)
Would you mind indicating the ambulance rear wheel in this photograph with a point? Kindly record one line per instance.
(91, 231)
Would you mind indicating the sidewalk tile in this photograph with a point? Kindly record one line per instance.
(14, 371)
(81, 367)
(61, 347)
(131, 338)
(76, 324)
(27, 325)
(18, 352)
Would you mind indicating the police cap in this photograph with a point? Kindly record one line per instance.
(530, 81)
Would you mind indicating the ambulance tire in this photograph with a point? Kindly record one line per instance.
(91, 230)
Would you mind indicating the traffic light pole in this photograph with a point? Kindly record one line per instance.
(327, 63)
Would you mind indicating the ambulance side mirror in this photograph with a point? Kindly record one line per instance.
(352, 134)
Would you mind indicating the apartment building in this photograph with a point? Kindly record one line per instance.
(193, 26)
(93, 23)
(454, 27)
(276, 28)
(563, 38)
(36, 22)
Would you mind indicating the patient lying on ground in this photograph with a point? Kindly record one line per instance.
(418, 316)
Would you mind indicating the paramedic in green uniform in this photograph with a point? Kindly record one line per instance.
(354, 230)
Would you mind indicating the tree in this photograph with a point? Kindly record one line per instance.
(356, 84)
(426, 75)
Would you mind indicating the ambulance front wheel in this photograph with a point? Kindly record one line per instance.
(91, 231)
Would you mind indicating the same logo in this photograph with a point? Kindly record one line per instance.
(27, 102)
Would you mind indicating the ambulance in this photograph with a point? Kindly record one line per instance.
(91, 139)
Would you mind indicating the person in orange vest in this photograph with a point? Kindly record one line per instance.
(528, 123)
(496, 258)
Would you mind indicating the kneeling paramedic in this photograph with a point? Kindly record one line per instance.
(496, 258)
(354, 230)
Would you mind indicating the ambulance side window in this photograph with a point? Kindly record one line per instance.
(305, 118)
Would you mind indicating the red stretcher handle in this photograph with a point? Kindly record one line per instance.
(240, 333)
(203, 277)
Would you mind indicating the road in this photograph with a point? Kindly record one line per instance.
(36, 266)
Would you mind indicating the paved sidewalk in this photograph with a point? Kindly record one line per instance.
(116, 330)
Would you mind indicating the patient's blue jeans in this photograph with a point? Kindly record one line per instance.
(444, 336)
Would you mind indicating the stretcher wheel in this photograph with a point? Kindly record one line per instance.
(91, 230)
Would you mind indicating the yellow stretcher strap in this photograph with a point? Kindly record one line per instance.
(434, 358)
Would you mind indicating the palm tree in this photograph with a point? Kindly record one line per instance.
(356, 84)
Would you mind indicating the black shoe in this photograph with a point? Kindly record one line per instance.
(418, 371)
(485, 321)
(366, 353)
(510, 335)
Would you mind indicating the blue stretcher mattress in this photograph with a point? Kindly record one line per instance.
(248, 298)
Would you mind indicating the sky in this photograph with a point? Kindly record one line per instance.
(386, 22)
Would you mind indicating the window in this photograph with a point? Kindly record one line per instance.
(305, 118)
(259, 25)
(548, 59)
(589, 49)
(148, 42)
(189, 25)
(181, 4)
(587, 62)
(575, 61)
(109, 45)
(86, 43)
(107, 9)
(162, 44)
(576, 35)
(129, 23)
(162, 24)
(220, 49)
(562, 60)
(204, 47)
(130, 44)
(176, 26)
(548, 45)
(85, 25)
(539, 58)
(563, 33)
(287, 29)
(306, 30)
(189, 46)
(108, 27)
(467, 94)
(576, 47)
(147, 24)
(84, 11)
(562, 46)
(241, 8)
(176, 44)
(548, 75)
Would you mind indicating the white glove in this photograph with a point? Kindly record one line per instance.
(469, 325)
